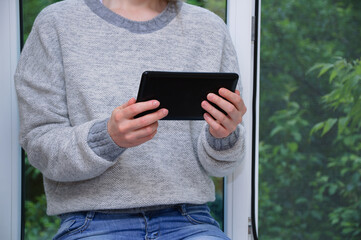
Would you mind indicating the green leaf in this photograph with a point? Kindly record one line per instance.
(342, 124)
(325, 68)
(328, 125)
(276, 130)
(344, 171)
(334, 74)
(292, 146)
(314, 67)
(317, 127)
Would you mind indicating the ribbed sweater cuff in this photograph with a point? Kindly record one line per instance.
(221, 144)
(101, 143)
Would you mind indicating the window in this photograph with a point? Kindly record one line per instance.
(310, 122)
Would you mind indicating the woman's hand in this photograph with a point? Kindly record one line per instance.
(221, 125)
(129, 132)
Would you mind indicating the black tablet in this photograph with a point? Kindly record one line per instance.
(182, 92)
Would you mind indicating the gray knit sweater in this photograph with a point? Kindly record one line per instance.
(81, 61)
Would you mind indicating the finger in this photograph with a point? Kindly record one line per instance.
(226, 106)
(216, 126)
(145, 139)
(218, 115)
(144, 132)
(232, 97)
(148, 119)
(137, 108)
(130, 102)
(242, 108)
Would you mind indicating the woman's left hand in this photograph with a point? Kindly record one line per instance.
(221, 125)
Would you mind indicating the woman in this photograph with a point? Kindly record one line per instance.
(106, 174)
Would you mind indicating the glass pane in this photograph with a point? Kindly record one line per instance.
(310, 120)
(219, 7)
(38, 225)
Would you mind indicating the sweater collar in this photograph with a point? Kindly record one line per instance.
(157, 23)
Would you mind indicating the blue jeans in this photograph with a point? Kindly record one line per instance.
(190, 222)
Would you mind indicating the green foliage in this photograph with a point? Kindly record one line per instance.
(217, 209)
(345, 97)
(310, 122)
(38, 226)
(200, 3)
(216, 6)
(345, 161)
(31, 8)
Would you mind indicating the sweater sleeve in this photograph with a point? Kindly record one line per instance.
(219, 157)
(54, 146)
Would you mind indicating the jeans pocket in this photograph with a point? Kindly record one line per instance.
(73, 223)
(200, 215)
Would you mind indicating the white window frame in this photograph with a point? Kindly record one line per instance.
(238, 185)
(10, 163)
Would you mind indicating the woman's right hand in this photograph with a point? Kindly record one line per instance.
(127, 131)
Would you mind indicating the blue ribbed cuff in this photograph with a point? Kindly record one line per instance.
(101, 143)
(221, 144)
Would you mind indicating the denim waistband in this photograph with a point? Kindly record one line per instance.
(139, 210)
(183, 208)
